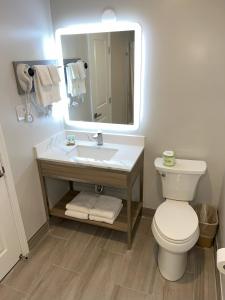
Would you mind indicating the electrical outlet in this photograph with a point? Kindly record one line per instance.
(20, 112)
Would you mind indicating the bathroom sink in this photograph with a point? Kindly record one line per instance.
(92, 152)
(117, 153)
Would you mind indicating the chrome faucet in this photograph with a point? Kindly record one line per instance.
(99, 138)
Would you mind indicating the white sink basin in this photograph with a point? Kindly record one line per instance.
(92, 152)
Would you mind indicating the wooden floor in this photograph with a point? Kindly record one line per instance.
(85, 262)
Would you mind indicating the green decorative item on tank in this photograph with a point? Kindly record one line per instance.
(169, 158)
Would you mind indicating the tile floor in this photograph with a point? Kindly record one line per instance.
(84, 262)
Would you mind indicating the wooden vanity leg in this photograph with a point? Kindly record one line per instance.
(129, 218)
(141, 184)
(71, 185)
(44, 192)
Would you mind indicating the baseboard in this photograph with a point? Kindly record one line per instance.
(35, 239)
(218, 275)
(148, 212)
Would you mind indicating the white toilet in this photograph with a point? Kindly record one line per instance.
(175, 223)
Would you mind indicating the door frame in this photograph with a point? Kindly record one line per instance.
(4, 160)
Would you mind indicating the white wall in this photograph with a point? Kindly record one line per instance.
(183, 103)
(25, 31)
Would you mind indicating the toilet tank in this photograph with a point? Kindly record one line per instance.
(180, 182)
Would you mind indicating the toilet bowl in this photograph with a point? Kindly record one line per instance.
(175, 228)
(175, 223)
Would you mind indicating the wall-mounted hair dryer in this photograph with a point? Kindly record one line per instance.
(26, 82)
(24, 78)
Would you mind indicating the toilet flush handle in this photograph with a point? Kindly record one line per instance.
(163, 175)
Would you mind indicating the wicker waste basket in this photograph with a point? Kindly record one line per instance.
(208, 224)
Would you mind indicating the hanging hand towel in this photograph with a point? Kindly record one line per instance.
(76, 75)
(81, 87)
(81, 69)
(43, 92)
(72, 84)
(83, 202)
(82, 76)
(46, 93)
(74, 70)
(54, 74)
(106, 207)
(69, 79)
(75, 88)
(43, 74)
(56, 97)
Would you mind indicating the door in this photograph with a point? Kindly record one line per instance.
(100, 76)
(9, 240)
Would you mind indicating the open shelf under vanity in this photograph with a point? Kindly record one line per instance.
(119, 224)
(115, 182)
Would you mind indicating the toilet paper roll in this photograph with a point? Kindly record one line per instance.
(221, 260)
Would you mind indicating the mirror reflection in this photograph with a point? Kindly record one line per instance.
(99, 75)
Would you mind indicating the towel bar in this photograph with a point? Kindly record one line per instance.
(31, 71)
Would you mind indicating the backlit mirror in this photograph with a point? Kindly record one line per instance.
(102, 73)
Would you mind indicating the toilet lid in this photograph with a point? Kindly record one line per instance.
(176, 220)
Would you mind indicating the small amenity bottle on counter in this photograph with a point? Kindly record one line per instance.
(70, 140)
(169, 158)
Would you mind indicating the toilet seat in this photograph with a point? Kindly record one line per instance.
(176, 221)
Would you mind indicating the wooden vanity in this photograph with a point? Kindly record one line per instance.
(120, 181)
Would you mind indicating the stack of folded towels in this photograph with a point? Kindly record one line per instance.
(80, 206)
(106, 209)
(94, 207)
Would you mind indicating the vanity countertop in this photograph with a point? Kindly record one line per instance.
(122, 151)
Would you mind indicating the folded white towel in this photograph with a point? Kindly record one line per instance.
(83, 202)
(54, 74)
(106, 207)
(43, 74)
(76, 214)
(106, 220)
